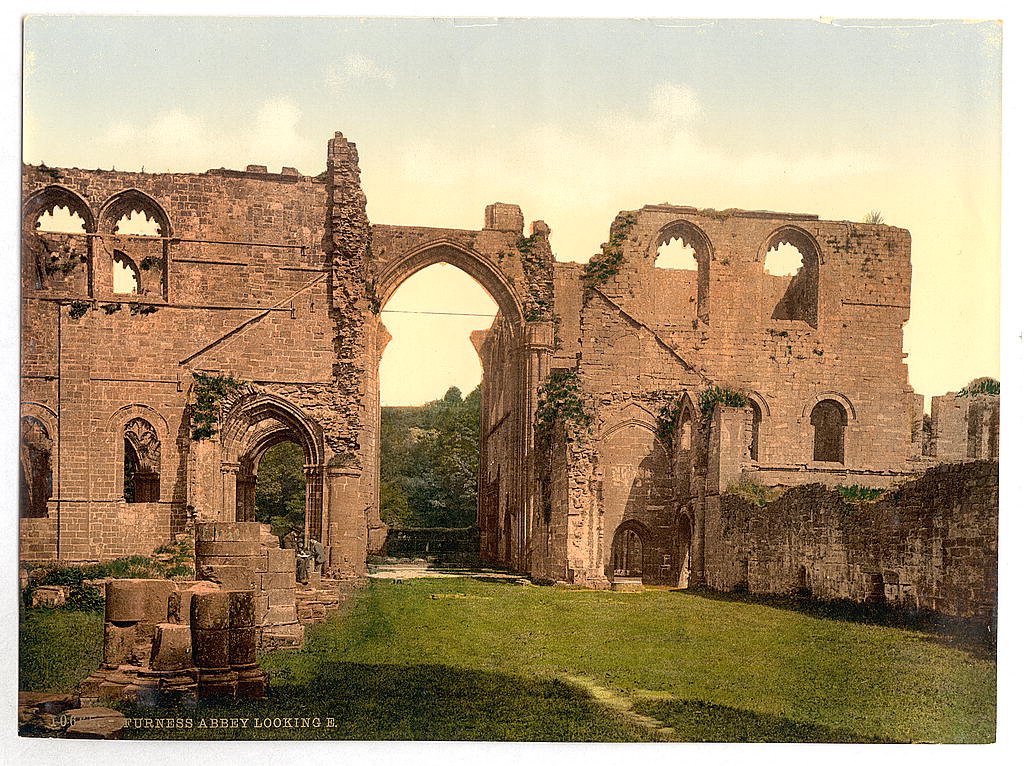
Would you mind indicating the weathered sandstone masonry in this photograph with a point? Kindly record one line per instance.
(620, 400)
(931, 546)
(178, 641)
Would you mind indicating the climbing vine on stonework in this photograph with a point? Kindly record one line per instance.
(63, 260)
(605, 265)
(151, 262)
(712, 395)
(78, 309)
(667, 416)
(208, 393)
(560, 399)
(989, 386)
(371, 295)
(538, 305)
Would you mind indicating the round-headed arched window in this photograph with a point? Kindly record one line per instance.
(755, 431)
(829, 421)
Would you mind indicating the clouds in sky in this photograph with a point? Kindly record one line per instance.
(360, 70)
(579, 174)
(176, 140)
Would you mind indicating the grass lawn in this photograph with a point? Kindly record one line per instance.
(475, 659)
(57, 648)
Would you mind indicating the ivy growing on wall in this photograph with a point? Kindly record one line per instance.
(712, 395)
(208, 393)
(538, 305)
(560, 399)
(989, 386)
(667, 416)
(63, 260)
(605, 265)
(78, 309)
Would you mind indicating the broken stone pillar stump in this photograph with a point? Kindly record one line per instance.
(251, 681)
(229, 553)
(211, 622)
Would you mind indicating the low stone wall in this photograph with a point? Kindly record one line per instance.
(443, 542)
(930, 544)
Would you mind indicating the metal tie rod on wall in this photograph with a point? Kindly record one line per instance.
(441, 313)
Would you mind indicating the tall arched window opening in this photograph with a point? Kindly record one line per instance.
(791, 270)
(755, 431)
(125, 274)
(36, 468)
(829, 421)
(141, 462)
(682, 245)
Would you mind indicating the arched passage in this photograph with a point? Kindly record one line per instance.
(504, 402)
(255, 424)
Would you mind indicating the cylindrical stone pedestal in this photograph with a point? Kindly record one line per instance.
(243, 634)
(228, 553)
(211, 622)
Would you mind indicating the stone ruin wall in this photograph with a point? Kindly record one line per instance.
(278, 279)
(648, 335)
(111, 367)
(240, 283)
(931, 546)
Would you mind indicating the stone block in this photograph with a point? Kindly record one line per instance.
(248, 562)
(211, 610)
(251, 683)
(242, 608)
(95, 723)
(206, 548)
(283, 636)
(227, 531)
(281, 560)
(50, 595)
(237, 531)
(272, 580)
(279, 615)
(118, 643)
(46, 702)
(172, 647)
(180, 603)
(281, 597)
(134, 600)
(231, 577)
(217, 683)
(242, 646)
(211, 648)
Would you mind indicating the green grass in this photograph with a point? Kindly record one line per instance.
(57, 648)
(486, 660)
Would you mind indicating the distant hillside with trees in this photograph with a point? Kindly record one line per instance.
(429, 462)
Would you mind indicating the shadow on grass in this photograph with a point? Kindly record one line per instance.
(967, 635)
(696, 721)
(402, 702)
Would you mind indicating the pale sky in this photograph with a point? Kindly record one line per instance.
(574, 121)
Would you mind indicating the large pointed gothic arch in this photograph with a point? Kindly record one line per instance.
(486, 266)
(472, 262)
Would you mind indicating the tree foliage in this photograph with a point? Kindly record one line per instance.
(429, 461)
(281, 488)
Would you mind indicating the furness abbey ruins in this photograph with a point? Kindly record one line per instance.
(639, 426)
